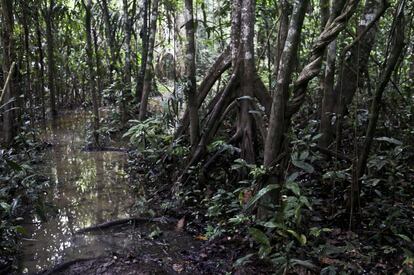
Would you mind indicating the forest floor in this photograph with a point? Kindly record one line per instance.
(100, 216)
(89, 188)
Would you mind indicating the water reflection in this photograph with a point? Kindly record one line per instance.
(89, 188)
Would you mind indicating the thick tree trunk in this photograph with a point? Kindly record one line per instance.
(190, 74)
(329, 76)
(277, 127)
(8, 93)
(91, 78)
(285, 10)
(246, 57)
(126, 92)
(50, 57)
(149, 71)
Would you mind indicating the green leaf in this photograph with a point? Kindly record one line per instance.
(294, 187)
(404, 237)
(260, 194)
(243, 260)
(20, 229)
(259, 236)
(273, 224)
(300, 237)
(14, 165)
(304, 166)
(5, 206)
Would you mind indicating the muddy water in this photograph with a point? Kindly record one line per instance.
(87, 188)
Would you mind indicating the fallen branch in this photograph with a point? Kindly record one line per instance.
(109, 224)
(63, 266)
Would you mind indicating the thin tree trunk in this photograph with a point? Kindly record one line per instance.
(98, 67)
(110, 36)
(190, 74)
(91, 78)
(29, 87)
(376, 104)
(50, 57)
(41, 67)
(149, 71)
(126, 92)
(144, 34)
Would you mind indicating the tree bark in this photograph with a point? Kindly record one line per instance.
(50, 57)
(126, 92)
(8, 94)
(144, 34)
(376, 104)
(350, 73)
(149, 71)
(41, 67)
(110, 36)
(190, 74)
(91, 78)
(277, 127)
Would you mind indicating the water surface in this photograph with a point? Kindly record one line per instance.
(88, 188)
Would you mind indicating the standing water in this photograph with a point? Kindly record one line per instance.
(88, 188)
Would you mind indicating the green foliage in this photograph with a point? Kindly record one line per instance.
(18, 182)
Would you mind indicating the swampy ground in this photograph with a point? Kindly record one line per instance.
(92, 187)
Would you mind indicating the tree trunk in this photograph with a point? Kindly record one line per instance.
(126, 92)
(329, 77)
(398, 37)
(149, 71)
(144, 34)
(190, 74)
(277, 127)
(110, 37)
(246, 121)
(41, 67)
(98, 67)
(50, 57)
(29, 95)
(350, 74)
(91, 78)
(283, 109)
(8, 94)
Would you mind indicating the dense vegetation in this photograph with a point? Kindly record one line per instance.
(281, 130)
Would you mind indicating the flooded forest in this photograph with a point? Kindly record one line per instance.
(206, 137)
